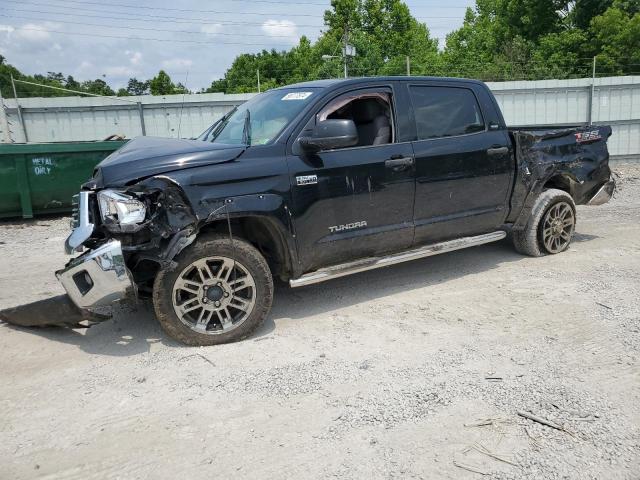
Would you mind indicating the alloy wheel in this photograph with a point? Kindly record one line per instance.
(557, 227)
(214, 295)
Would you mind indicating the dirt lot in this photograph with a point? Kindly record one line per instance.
(415, 371)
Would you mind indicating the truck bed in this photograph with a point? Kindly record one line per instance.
(574, 159)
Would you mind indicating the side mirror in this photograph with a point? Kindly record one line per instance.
(330, 134)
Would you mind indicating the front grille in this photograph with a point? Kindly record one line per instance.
(75, 211)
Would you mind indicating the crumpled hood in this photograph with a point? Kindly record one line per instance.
(146, 156)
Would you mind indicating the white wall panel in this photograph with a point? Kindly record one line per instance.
(545, 102)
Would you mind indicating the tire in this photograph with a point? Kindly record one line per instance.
(217, 293)
(534, 239)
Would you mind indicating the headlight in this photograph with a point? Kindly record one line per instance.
(119, 208)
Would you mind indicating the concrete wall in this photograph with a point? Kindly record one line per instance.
(616, 101)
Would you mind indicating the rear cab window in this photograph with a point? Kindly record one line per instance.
(445, 111)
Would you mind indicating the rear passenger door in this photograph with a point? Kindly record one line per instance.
(463, 163)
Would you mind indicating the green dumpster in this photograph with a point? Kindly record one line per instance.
(42, 177)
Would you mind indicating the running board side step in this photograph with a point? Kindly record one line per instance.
(406, 256)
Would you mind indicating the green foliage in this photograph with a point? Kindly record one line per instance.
(509, 39)
(97, 87)
(616, 35)
(162, 84)
(137, 87)
(53, 79)
(383, 33)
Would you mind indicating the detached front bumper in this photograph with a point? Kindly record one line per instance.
(98, 277)
(604, 194)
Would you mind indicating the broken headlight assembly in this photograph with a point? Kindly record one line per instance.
(116, 207)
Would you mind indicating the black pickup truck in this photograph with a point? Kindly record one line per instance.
(314, 181)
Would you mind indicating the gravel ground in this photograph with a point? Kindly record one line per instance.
(414, 371)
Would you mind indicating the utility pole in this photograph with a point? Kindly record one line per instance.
(344, 49)
(408, 67)
(258, 72)
(15, 96)
(5, 132)
(593, 91)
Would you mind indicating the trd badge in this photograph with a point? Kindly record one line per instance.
(307, 180)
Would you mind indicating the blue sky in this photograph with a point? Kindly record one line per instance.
(195, 41)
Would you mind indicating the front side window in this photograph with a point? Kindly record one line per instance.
(261, 119)
(445, 111)
(370, 111)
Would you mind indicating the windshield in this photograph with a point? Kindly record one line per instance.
(261, 119)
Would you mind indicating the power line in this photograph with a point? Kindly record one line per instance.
(198, 42)
(145, 7)
(199, 32)
(327, 4)
(156, 18)
(268, 14)
(151, 39)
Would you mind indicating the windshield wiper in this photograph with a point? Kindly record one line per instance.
(246, 131)
(214, 130)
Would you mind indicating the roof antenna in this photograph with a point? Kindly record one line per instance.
(184, 92)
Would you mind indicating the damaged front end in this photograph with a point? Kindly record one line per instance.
(125, 236)
(130, 233)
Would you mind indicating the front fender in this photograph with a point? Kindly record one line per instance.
(269, 207)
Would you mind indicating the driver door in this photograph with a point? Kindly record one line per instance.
(353, 202)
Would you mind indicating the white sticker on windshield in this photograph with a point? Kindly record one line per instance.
(297, 96)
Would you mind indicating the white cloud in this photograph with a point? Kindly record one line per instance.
(175, 63)
(7, 29)
(212, 29)
(35, 32)
(135, 58)
(281, 29)
(85, 65)
(120, 71)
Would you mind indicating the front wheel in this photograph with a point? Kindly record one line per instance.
(219, 292)
(550, 227)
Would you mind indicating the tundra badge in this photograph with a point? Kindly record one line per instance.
(307, 180)
(348, 226)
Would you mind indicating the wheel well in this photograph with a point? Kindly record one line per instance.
(263, 234)
(559, 182)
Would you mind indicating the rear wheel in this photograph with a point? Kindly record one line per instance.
(219, 292)
(550, 227)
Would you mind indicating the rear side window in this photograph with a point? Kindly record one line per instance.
(445, 111)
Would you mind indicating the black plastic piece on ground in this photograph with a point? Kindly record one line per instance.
(58, 310)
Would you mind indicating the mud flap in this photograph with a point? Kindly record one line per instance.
(55, 311)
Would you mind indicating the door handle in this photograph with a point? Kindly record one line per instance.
(496, 150)
(398, 163)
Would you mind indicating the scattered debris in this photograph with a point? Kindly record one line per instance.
(484, 450)
(543, 421)
(470, 468)
(54, 311)
(487, 422)
(603, 305)
(198, 355)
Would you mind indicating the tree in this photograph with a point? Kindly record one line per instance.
(161, 84)
(71, 83)
(56, 77)
(97, 87)
(616, 35)
(583, 11)
(137, 87)
(383, 32)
